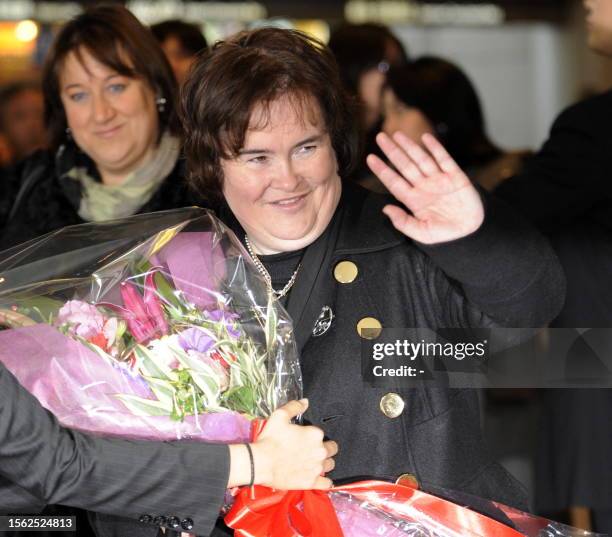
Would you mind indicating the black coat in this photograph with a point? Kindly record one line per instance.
(504, 274)
(53, 200)
(566, 189)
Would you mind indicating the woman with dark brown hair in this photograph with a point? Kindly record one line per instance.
(110, 107)
(269, 132)
(434, 95)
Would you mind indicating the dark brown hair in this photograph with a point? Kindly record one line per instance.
(256, 68)
(188, 35)
(449, 100)
(115, 37)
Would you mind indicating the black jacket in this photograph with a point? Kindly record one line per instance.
(52, 200)
(568, 180)
(504, 274)
(42, 462)
(566, 190)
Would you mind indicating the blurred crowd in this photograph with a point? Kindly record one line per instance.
(99, 137)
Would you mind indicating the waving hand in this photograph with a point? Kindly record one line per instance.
(442, 202)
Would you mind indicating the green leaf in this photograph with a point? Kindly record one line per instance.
(43, 306)
(241, 399)
(163, 390)
(166, 291)
(203, 375)
(271, 324)
(152, 365)
(142, 266)
(144, 407)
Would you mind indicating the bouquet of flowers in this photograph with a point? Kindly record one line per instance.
(159, 327)
(153, 326)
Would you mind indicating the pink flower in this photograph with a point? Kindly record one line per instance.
(86, 321)
(83, 319)
(143, 314)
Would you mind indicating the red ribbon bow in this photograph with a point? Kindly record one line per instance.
(264, 512)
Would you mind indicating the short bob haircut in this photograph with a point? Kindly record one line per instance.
(255, 68)
(448, 99)
(115, 37)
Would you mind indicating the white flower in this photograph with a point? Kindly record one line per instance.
(163, 348)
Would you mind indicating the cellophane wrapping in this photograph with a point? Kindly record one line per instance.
(156, 326)
(452, 514)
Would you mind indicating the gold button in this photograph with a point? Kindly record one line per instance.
(408, 480)
(369, 328)
(391, 405)
(346, 272)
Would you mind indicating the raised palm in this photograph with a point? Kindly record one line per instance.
(442, 202)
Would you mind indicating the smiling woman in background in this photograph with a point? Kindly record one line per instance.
(110, 110)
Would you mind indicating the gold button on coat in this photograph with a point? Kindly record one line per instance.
(346, 272)
(392, 405)
(408, 480)
(369, 328)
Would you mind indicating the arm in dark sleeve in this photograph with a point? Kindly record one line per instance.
(570, 173)
(120, 477)
(506, 274)
(15, 500)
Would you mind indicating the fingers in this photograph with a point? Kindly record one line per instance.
(328, 465)
(411, 160)
(331, 448)
(397, 151)
(444, 160)
(404, 222)
(421, 159)
(292, 409)
(322, 483)
(395, 183)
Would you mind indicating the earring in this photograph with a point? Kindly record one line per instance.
(161, 104)
(68, 133)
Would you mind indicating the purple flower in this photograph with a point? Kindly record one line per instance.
(227, 318)
(195, 339)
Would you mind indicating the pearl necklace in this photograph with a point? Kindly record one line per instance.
(266, 275)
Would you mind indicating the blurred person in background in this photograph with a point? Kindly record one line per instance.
(22, 125)
(364, 53)
(115, 144)
(432, 95)
(181, 43)
(110, 110)
(566, 190)
(22, 132)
